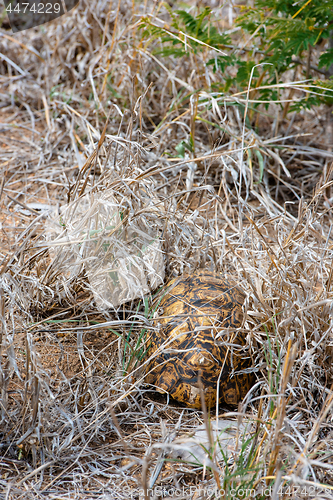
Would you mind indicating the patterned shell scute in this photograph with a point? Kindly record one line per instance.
(199, 338)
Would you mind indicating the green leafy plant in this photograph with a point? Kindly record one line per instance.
(189, 33)
(184, 146)
(282, 35)
(286, 32)
(285, 29)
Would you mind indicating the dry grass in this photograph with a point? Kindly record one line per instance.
(90, 123)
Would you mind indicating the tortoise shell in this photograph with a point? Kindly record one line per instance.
(198, 337)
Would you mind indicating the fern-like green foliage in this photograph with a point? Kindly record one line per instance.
(285, 28)
(284, 34)
(286, 31)
(189, 33)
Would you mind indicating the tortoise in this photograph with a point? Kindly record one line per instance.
(199, 338)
